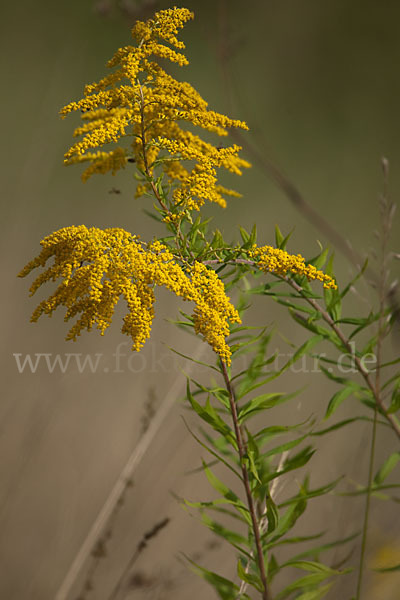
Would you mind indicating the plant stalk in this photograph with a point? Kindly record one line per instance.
(246, 482)
(384, 270)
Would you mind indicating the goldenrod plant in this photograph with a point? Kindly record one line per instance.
(140, 117)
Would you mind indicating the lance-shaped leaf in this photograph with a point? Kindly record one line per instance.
(235, 539)
(287, 520)
(209, 414)
(226, 589)
(333, 299)
(316, 593)
(387, 468)
(387, 569)
(226, 492)
(340, 396)
(281, 241)
(250, 578)
(260, 403)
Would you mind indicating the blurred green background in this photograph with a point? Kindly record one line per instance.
(319, 85)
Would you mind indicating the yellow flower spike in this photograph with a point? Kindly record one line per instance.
(275, 260)
(140, 90)
(97, 267)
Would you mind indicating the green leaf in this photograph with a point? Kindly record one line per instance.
(333, 303)
(307, 493)
(351, 283)
(298, 539)
(152, 215)
(252, 465)
(273, 567)
(298, 460)
(278, 237)
(272, 515)
(372, 317)
(244, 235)
(260, 403)
(387, 468)
(297, 307)
(319, 573)
(395, 400)
(336, 378)
(235, 539)
(323, 547)
(312, 566)
(324, 333)
(267, 433)
(251, 579)
(280, 241)
(387, 569)
(254, 369)
(226, 492)
(395, 361)
(218, 240)
(304, 349)
(226, 589)
(288, 519)
(198, 362)
(285, 241)
(253, 235)
(339, 425)
(252, 455)
(339, 397)
(315, 594)
(375, 491)
(208, 414)
(283, 447)
(211, 451)
(303, 583)
(319, 260)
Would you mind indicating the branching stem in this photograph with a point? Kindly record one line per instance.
(346, 343)
(374, 387)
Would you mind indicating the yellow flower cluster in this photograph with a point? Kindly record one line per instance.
(141, 102)
(97, 267)
(275, 260)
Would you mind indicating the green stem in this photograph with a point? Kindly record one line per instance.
(367, 506)
(386, 210)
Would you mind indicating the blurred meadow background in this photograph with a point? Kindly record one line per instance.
(319, 85)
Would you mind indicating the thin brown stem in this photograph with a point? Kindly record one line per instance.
(246, 482)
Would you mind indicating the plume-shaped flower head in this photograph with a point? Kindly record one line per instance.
(144, 110)
(97, 267)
